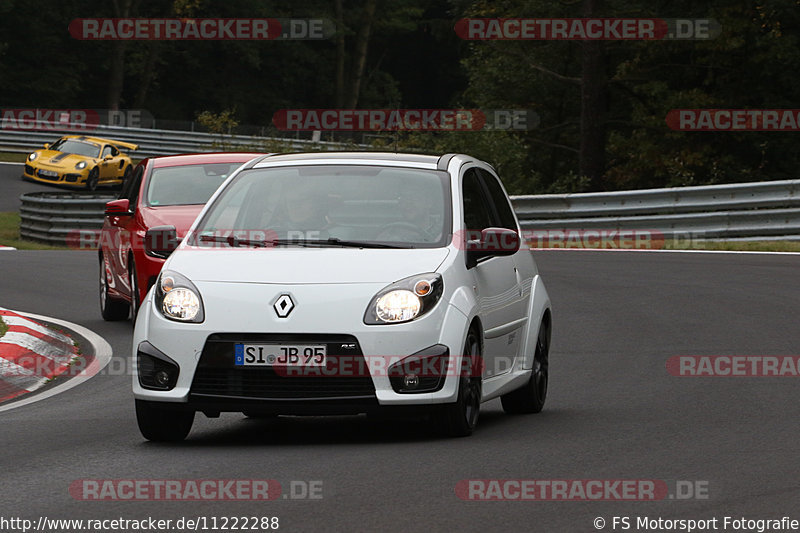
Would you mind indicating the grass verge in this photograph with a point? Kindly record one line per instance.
(735, 246)
(9, 235)
(3, 327)
(13, 157)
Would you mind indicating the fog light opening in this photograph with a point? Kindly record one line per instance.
(410, 381)
(155, 370)
(162, 378)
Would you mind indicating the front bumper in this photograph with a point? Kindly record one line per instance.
(58, 176)
(208, 380)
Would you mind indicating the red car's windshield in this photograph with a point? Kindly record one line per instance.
(186, 184)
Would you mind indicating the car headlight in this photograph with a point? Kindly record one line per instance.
(33, 156)
(177, 298)
(81, 165)
(405, 300)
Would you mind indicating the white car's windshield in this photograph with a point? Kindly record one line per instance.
(187, 184)
(71, 146)
(331, 205)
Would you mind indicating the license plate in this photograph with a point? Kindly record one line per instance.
(280, 355)
(48, 173)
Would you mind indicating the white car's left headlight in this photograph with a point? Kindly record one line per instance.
(177, 298)
(405, 300)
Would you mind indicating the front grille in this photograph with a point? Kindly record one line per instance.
(218, 376)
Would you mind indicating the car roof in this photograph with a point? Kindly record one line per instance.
(355, 158)
(205, 158)
(96, 140)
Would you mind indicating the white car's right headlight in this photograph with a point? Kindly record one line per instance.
(405, 300)
(176, 298)
(398, 306)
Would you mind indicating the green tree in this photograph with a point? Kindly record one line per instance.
(635, 84)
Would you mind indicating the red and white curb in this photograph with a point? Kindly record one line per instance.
(102, 356)
(30, 355)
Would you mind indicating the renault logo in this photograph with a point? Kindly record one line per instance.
(283, 305)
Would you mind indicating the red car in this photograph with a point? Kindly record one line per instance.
(154, 211)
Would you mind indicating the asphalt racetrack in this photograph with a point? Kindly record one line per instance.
(613, 413)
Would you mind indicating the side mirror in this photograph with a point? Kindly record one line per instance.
(46, 146)
(492, 242)
(161, 241)
(117, 208)
(109, 157)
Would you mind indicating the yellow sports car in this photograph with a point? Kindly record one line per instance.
(80, 161)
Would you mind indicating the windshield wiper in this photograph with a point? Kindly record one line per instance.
(334, 241)
(232, 240)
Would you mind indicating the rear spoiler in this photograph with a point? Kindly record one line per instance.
(120, 144)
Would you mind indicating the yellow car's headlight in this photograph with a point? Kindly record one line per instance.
(81, 165)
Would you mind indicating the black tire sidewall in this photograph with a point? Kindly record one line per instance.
(160, 424)
(92, 179)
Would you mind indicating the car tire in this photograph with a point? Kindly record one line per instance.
(531, 397)
(160, 423)
(112, 309)
(460, 418)
(93, 179)
(134, 284)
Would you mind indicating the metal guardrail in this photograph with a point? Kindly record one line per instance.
(732, 211)
(153, 142)
(59, 217)
(765, 210)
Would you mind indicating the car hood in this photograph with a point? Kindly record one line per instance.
(180, 216)
(53, 157)
(297, 265)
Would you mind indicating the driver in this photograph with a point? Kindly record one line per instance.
(306, 212)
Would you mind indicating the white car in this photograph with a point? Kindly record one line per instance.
(337, 283)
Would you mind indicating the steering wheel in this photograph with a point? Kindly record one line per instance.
(398, 231)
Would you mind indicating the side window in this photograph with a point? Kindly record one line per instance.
(476, 211)
(505, 213)
(106, 151)
(130, 189)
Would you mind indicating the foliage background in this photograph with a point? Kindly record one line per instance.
(406, 54)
